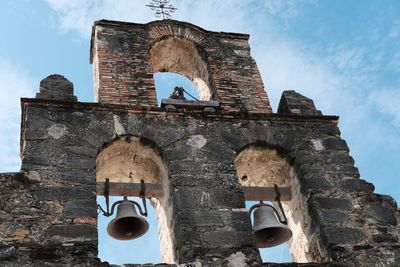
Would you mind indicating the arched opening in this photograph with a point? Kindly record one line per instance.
(128, 160)
(166, 82)
(260, 166)
(182, 56)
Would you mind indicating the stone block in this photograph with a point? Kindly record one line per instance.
(72, 233)
(368, 257)
(311, 183)
(80, 163)
(342, 236)
(294, 103)
(186, 236)
(30, 160)
(80, 209)
(188, 253)
(207, 180)
(178, 152)
(341, 157)
(219, 151)
(308, 157)
(231, 136)
(56, 87)
(351, 184)
(82, 151)
(8, 253)
(83, 176)
(225, 238)
(335, 144)
(186, 198)
(238, 220)
(382, 212)
(334, 203)
(227, 198)
(65, 193)
(309, 170)
(169, 135)
(189, 104)
(341, 169)
(198, 219)
(333, 216)
(33, 176)
(384, 238)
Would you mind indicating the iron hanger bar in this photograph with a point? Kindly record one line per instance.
(277, 199)
(155, 190)
(130, 189)
(109, 212)
(266, 193)
(190, 95)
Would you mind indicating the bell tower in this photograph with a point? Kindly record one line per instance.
(218, 63)
(198, 161)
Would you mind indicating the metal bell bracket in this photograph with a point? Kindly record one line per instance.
(277, 199)
(109, 213)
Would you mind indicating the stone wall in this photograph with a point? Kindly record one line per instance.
(349, 224)
(46, 225)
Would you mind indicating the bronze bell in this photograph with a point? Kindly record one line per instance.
(267, 228)
(127, 224)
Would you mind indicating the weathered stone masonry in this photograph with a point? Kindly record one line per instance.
(48, 210)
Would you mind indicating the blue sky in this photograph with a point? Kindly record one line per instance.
(345, 55)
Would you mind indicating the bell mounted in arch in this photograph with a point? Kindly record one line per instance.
(267, 228)
(270, 230)
(178, 93)
(127, 224)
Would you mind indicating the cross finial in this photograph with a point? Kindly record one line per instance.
(162, 8)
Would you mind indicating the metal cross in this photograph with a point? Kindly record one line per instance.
(162, 8)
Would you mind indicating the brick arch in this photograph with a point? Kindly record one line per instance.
(260, 164)
(130, 159)
(183, 56)
(123, 73)
(159, 30)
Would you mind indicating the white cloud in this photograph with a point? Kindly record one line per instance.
(285, 67)
(286, 9)
(78, 16)
(395, 30)
(388, 102)
(349, 58)
(394, 63)
(14, 83)
(229, 15)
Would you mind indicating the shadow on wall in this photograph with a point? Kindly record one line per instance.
(179, 55)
